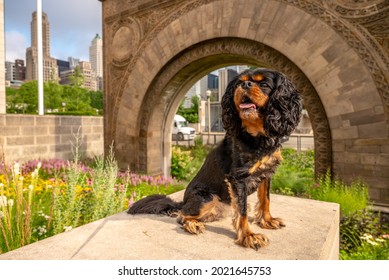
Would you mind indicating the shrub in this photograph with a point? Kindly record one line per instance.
(180, 167)
(355, 225)
(371, 248)
(353, 197)
(295, 173)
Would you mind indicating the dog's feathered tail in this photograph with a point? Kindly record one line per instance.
(155, 204)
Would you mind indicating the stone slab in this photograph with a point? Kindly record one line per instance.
(311, 233)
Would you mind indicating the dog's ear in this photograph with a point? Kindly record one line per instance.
(230, 116)
(283, 110)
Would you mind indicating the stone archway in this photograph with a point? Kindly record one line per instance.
(155, 52)
(171, 84)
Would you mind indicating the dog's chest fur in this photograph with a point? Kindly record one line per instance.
(257, 167)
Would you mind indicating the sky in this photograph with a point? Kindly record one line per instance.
(73, 25)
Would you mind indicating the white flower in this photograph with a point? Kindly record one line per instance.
(380, 240)
(10, 202)
(3, 200)
(30, 187)
(366, 236)
(34, 174)
(1, 215)
(372, 242)
(16, 168)
(1, 185)
(38, 166)
(69, 228)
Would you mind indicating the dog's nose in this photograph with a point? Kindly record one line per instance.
(247, 84)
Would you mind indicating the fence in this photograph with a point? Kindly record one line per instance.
(298, 142)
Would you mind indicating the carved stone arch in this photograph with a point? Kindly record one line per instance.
(172, 82)
(335, 51)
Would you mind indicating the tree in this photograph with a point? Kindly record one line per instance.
(12, 99)
(96, 99)
(53, 95)
(29, 97)
(77, 79)
(190, 114)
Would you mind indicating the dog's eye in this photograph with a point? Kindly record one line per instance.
(263, 84)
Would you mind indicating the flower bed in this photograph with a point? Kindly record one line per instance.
(41, 198)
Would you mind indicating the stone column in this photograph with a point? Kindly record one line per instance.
(2, 58)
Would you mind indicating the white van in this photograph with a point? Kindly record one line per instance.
(180, 130)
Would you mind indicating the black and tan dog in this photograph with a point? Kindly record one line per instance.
(260, 108)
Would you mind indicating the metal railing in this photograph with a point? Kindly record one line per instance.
(298, 142)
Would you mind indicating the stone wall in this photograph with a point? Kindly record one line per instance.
(24, 137)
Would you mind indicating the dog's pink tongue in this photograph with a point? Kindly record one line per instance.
(247, 106)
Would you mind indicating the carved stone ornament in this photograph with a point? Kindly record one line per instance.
(125, 40)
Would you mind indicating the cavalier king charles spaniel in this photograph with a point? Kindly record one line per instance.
(260, 109)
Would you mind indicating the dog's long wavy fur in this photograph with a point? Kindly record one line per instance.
(242, 163)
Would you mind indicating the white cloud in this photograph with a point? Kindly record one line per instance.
(15, 45)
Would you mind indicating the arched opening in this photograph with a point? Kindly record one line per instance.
(172, 82)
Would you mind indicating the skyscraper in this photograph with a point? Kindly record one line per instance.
(50, 68)
(96, 55)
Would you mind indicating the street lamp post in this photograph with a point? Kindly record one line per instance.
(209, 92)
(41, 110)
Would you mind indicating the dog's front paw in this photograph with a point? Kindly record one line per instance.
(193, 226)
(265, 220)
(252, 240)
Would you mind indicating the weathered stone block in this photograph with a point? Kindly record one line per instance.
(19, 120)
(71, 121)
(35, 130)
(18, 141)
(373, 130)
(48, 139)
(59, 130)
(47, 120)
(10, 131)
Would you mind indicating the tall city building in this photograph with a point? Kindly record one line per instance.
(89, 76)
(63, 65)
(73, 62)
(20, 70)
(226, 75)
(50, 68)
(96, 55)
(9, 71)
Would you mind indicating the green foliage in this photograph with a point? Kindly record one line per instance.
(96, 98)
(186, 161)
(295, 173)
(106, 197)
(53, 95)
(351, 198)
(190, 114)
(28, 97)
(355, 225)
(180, 167)
(372, 249)
(77, 79)
(77, 100)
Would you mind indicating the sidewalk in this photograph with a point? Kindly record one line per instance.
(311, 232)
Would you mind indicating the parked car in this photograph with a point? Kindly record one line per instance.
(181, 130)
